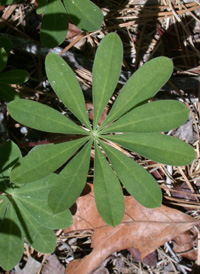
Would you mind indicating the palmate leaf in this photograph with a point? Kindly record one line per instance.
(157, 147)
(144, 119)
(152, 117)
(66, 86)
(84, 14)
(24, 212)
(72, 180)
(142, 85)
(105, 73)
(137, 181)
(54, 24)
(39, 237)
(34, 197)
(42, 117)
(43, 160)
(107, 190)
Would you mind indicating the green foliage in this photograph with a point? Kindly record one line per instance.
(41, 6)
(41, 122)
(24, 212)
(56, 13)
(7, 93)
(8, 2)
(132, 123)
(54, 24)
(107, 60)
(83, 13)
(107, 190)
(78, 165)
(43, 160)
(59, 78)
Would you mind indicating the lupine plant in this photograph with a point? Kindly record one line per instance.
(8, 77)
(56, 14)
(132, 123)
(24, 212)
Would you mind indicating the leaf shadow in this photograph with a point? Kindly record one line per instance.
(11, 164)
(173, 42)
(146, 26)
(152, 40)
(51, 32)
(6, 223)
(5, 153)
(21, 220)
(87, 189)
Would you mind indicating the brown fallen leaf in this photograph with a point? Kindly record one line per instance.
(89, 107)
(150, 259)
(141, 228)
(184, 244)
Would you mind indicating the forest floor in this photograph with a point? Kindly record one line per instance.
(147, 29)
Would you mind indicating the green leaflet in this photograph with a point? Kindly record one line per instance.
(41, 6)
(39, 237)
(151, 117)
(71, 181)
(34, 198)
(107, 190)
(5, 43)
(24, 212)
(14, 77)
(142, 85)
(45, 159)
(54, 24)
(84, 14)
(8, 93)
(137, 181)
(66, 86)
(10, 155)
(11, 239)
(3, 58)
(157, 147)
(105, 73)
(42, 117)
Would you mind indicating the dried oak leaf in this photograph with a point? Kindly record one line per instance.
(142, 228)
(184, 244)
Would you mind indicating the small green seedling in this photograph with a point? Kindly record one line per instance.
(7, 93)
(132, 123)
(56, 14)
(24, 212)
